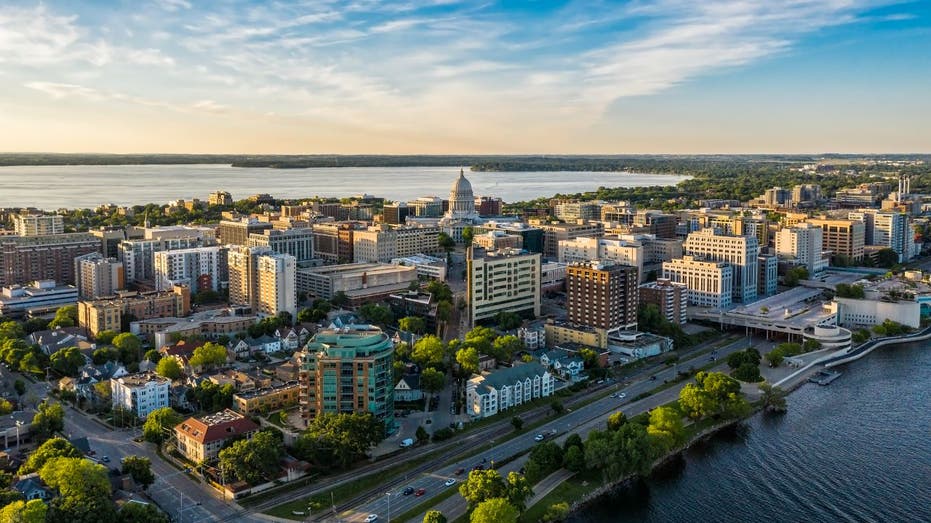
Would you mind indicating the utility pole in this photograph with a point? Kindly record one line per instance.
(388, 494)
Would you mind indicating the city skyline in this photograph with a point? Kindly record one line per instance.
(444, 76)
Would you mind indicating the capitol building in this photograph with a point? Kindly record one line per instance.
(461, 213)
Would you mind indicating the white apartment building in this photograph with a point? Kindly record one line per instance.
(894, 230)
(199, 268)
(502, 281)
(96, 276)
(138, 256)
(296, 242)
(140, 393)
(380, 244)
(38, 224)
(276, 277)
(617, 250)
(740, 252)
(491, 393)
(709, 282)
(427, 266)
(803, 244)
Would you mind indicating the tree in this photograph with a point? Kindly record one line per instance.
(886, 258)
(11, 330)
(414, 324)
(168, 368)
(154, 356)
(421, 434)
(105, 354)
(52, 448)
(774, 398)
(557, 512)
(557, 407)
(736, 359)
(468, 233)
(666, 427)
(376, 314)
(481, 485)
(504, 347)
(544, 459)
(518, 490)
(141, 513)
(774, 358)
(130, 347)
(339, 299)
(467, 358)
(589, 357)
(32, 511)
(811, 345)
(517, 423)
(67, 361)
(20, 387)
(432, 380)
(434, 516)
(338, 440)
(158, 422)
(84, 491)
(105, 337)
(103, 392)
(439, 290)
(445, 242)
(252, 460)
(496, 510)
(5, 407)
(35, 325)
(210, 396)
(748, 372)
(66, 316)
(794, 275)
(616, 420)
(140, 469)
(49, 419)
(507, 320)
(429, 351)
(574, 460)
(208, 355)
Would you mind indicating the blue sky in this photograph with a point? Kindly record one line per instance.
(443, 76)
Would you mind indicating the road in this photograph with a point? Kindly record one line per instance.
(581, 420)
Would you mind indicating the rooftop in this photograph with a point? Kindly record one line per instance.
(219, 426)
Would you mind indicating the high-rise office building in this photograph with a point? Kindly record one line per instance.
(602, 295)
(382, 244)
(802, 244)
(138, 256)
(348, 370)
(395, 213)
(236, 232)
(843, 238)
(296, 242)
(709, 282)
(741, 252)
(608, 249)
(502, 281)
(263, 280)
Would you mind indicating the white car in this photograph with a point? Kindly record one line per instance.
(538, 438)
(370, 518)
(450, 482)
(622, 395)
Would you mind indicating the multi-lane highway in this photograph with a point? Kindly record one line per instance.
(579, 420)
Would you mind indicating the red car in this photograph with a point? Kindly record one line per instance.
(420, 492)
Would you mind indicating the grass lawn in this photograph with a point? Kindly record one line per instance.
(574, 488)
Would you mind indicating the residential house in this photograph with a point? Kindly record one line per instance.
(200, 439)
(292, 339)
(52, 341)
(89, 375)
(408, 389)
(563, 364)
(494, 392)
(264, 344)
(31, 487)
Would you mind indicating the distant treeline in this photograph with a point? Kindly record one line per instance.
(673, 164)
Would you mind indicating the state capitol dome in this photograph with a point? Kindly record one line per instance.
(461, 199)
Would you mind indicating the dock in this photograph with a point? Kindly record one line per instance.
(824, 377)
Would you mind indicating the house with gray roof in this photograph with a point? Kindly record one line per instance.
(408, 389)
(566, 365)
(493, 392)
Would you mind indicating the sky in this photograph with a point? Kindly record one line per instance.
(445, 77)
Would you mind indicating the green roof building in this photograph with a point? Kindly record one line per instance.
(348, 369)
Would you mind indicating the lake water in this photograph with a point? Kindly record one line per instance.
(856, 450)
(86, 186)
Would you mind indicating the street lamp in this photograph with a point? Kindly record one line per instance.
(18, 425)
(388, 494)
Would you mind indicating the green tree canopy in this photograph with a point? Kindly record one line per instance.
(141, 513)
(130, 347)
(432, 380)
(434, 516)
(208, 355)
(168, 368)
(467, 358)
(49, 419)
(140, 468)
(158, 422)
(105, 337)
(67, 361)
(52, 448)
(338, 440)
(414, 324)
(32, 511)
(66, 316)
(666, 427)
(252, 460)
(496, 510)
(429, 351)
(505, 347)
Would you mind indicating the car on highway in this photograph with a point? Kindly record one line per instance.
(478, 467)
(653, 378)
(621, 395)
(450, 482)
(370, 518)
(460, 470)
(408, 491)
(420, 492)
(105, 459)
(538, 438)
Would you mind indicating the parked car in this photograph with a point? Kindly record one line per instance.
(408, 491)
